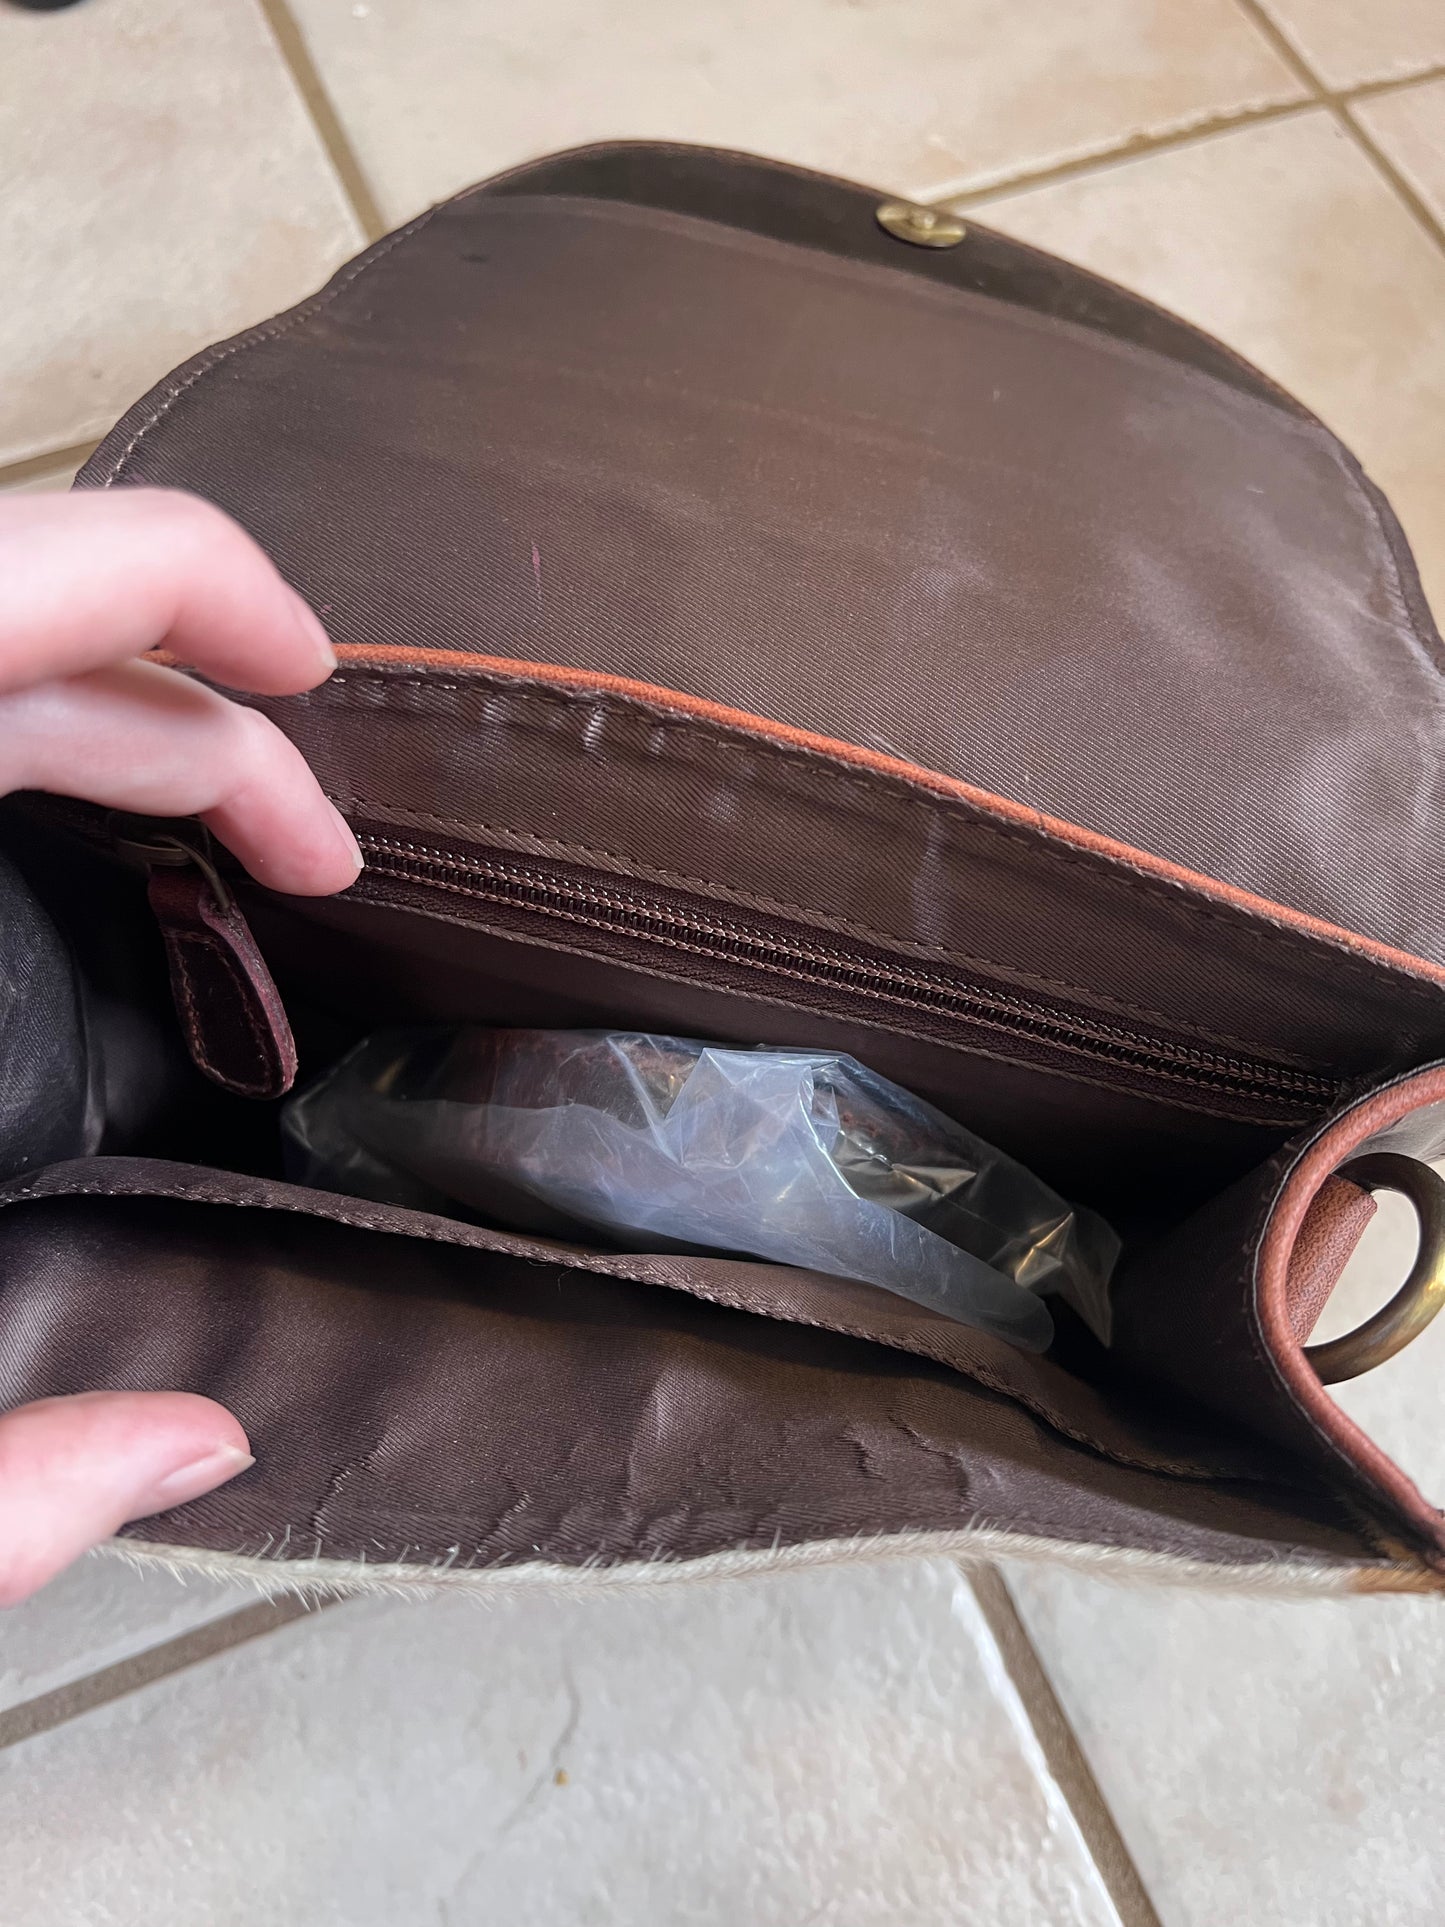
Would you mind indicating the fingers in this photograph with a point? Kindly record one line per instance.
(99, 576)
(146, 739)
(73, 1470)
(94, 579)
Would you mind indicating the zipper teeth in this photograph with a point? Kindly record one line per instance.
(522, 887)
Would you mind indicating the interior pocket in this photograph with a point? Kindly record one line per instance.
(541, 849)
(419, 1389)
(1138, 1135)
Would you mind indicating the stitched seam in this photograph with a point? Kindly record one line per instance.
(255, 336)
(1387, 571)
(1248, 927)
(195, 1030)
(645, 873)
(243, 1002)
(894, 1025)
(38, 1193)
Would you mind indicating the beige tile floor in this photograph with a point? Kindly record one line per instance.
(880, 1745)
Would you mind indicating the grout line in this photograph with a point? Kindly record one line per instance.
(1371, 149)
(1368, 89)
(1060, 1747)
(1136, 147)
(1338, 106)
(33, 465)
(48, 1710)
(1284, 48)
(324, 118)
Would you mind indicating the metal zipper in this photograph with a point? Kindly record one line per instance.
(655, 919)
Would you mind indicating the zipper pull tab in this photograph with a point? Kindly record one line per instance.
(230, 1010)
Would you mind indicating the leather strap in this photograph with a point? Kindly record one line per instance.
(230, 1010)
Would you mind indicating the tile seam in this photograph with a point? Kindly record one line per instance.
(77, 1697)
(1337, 105)
(326, 122)
(1067, 1762)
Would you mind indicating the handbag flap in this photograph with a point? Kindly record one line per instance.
(1004, 525)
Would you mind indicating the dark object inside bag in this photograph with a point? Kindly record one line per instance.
(666, 1144)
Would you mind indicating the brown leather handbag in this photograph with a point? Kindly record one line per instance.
(769, 616)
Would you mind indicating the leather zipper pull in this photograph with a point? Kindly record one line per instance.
(230, 1010)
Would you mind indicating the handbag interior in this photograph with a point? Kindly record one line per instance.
(423, 1391)
(427, 1392)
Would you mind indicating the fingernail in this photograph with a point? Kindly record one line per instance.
(353, 848)
(310, 625)
(201, 1475)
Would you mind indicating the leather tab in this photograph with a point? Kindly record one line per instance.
(230, 1010)
(1333, 1226)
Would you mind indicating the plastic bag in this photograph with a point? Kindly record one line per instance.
(664, 1144)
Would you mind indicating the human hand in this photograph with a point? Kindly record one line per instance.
(88, 583)
(74, 1470)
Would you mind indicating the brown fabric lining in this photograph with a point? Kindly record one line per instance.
(1101, 1428)
(1141, 875)
(1394, 609)
(800, 205)
(405, 1405)
(1189, 1085)
(367, 959)
(784, 1293)
(668, 795)
(588, 682)
(712, 916)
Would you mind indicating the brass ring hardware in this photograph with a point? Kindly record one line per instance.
(924, 227)
(1423, 1292)
(166, 851)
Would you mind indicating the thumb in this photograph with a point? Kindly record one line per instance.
(73, 1470)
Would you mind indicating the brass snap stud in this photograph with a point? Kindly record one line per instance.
(1423, 1292)
(924, 227)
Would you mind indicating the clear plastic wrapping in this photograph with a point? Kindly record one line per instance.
(665, 1144)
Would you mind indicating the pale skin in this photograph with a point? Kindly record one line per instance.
(88, 584)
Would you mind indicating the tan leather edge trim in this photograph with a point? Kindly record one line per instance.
(1272, 1297)
(386, 655)
(1297, 1578)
